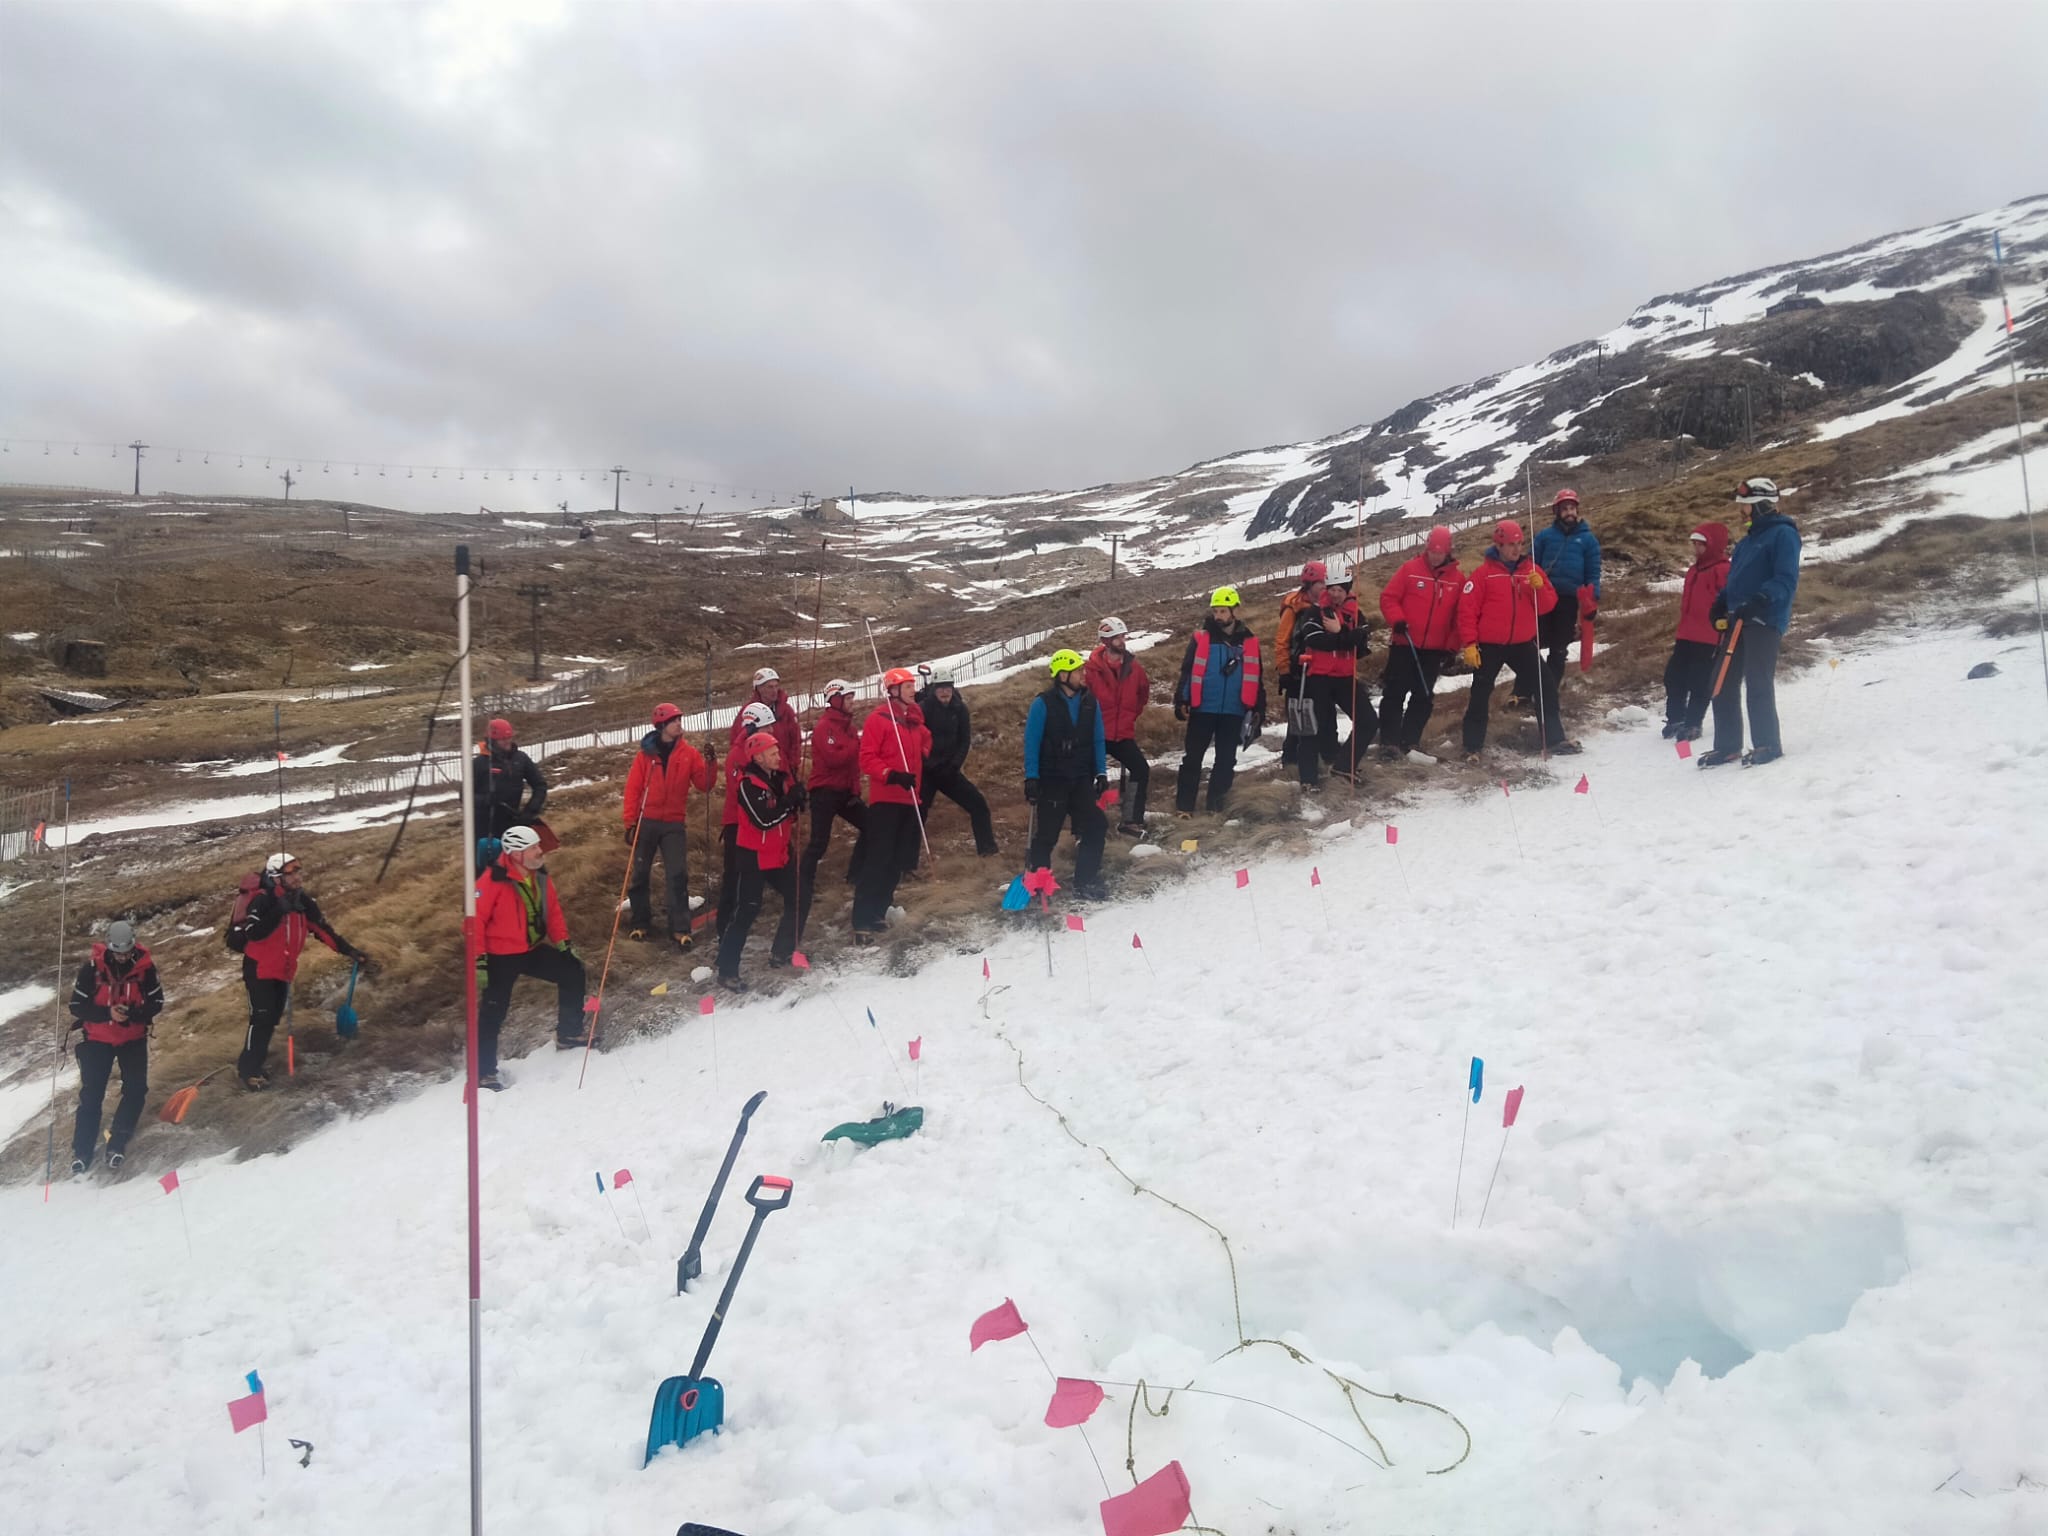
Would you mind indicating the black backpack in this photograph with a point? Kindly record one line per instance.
(237, 936)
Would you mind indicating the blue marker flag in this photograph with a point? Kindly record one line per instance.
(255, 1382)
(1016, 898)
(1478, 1078)
(871, 1020)
(600, 1177)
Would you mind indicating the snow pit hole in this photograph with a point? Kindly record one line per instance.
(1721, 1291)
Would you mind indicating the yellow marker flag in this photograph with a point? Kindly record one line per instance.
(658, 991)
(1188, 845)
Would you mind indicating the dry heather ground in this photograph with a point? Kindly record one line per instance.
(189, 629)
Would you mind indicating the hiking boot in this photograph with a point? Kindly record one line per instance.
(1716, 759)
(1390, 754)
(116, 1159)
(1672, 728)
(864, 938)
(1688, 733)
(732, 984)
(1183, 815)
(256, 1082)
(1130, 829)
(1756, 757)
(77, 1166)
(1476, 754)
(986, 853)
(1096, 891)
(638, 935)
(1566, 748)
(681, 941)
(575, 1042)
(492, 1081)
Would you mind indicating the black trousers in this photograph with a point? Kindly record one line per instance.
(96, 1062)
(1290, 688)
(1203, 729)
(266, 1007)
(1755, 668)
(890, 848)
(1059, 802)
(1555, 631)
(1522, 659)
(670, 840)
(959, 789)
(728, 874)
(754, 880)
(1408, 693)
(1136, 777)
(827, 804)
(1333, 696)
(545, 963)
(1689, 681)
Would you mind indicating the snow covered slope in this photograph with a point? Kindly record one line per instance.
(1764, 1254)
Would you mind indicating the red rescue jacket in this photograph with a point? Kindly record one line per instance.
(1705, 580)
(886, 736)
(1121, 689)
(1425, 597)
(1498, 606)
(276, 954)
(835, 751)
(502, 912)
(767, 814)
(787, 730)
(98, 991)
(667, 785)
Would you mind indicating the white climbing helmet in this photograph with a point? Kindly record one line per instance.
(757, 716)
(519, 839)
(838, 686)
(1110, 628)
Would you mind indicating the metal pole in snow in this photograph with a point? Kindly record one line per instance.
(469, 998)
(2020, 432)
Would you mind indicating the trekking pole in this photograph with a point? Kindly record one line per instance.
(902, 751)
(596, 1005)
(57, 1063)
(1734, 639)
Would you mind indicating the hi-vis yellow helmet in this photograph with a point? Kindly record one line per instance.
(1066, 661)
(1223, 597)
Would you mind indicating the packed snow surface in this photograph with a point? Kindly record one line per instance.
(1764, 1253)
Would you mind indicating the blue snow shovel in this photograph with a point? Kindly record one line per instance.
(345, 1020)
(686, 1406)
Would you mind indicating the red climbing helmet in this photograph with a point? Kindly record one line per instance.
(663, 713)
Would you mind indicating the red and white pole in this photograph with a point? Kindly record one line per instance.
(470, 1092)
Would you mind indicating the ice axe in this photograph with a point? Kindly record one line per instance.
(1728, 655)
(686, 1406)
(345, 1021)
(691, 1264)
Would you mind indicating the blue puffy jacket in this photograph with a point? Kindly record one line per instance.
(1763, 574)
(1034, 733)
(1570, 560)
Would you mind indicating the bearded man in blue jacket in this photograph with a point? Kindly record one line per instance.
(1763, 578)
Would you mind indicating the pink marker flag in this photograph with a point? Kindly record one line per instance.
(622, 1178)
(1685, 749)
(799, 960)
(1504, 786)
(984, 968)
(282, 758)
(247, 1412)
(1393, 834)
(996, 1323)
(1583, 787)
(1315, 876)
(590, 1005)
(1074, 923)
(1156, 1506)
(170, 1182)
(917, 1048)
(1136, 942)
(705, 1004)
(1073, 1402)
(1511, 1108)
(1244, 878)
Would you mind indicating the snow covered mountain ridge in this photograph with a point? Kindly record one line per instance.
(1821, 347)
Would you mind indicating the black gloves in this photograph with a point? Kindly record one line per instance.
(1101, 785)
(799, 797)
(1720, 609)
(1753, 610)
(1031, 791)
(1400, 626)
(901, 780)
(1180, 711)
(710, 755)
(632, 831)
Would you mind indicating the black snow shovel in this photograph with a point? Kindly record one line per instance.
(691, 1264)
(686, 1406)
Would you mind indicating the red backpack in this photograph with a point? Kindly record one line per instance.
(237, 935)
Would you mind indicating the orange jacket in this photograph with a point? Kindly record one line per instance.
(665, 786)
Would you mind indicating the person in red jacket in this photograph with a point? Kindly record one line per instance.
(770, 802)
(521, 932)
(786, 728)
(1122, 690)
(656, 811)
(1328, 640)
(1689, 674)
(281, 916)
(893, 744)
(1498, 612)
(753, 718)
(1420, 604)
(115, 998)
(833, 792)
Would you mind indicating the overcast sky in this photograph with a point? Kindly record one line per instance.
(924, 247)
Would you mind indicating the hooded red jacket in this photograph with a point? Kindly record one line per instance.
(882, 752)
(1704, 580)
(1425, 597)
(1498, 606)
(666, 785)
(1121, 689)
(835, 751)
